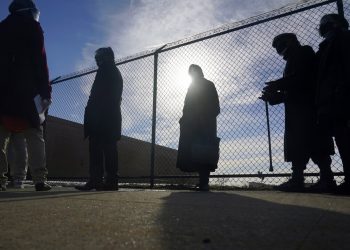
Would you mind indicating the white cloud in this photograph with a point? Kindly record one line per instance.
(148, 23)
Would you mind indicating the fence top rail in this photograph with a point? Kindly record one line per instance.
(224, 29)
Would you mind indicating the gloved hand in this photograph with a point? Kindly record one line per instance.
(271, 86)
(266, 95)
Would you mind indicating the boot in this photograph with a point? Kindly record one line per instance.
(90, 186)
(111, 186)
(294, 184)
(42, 186)
(326, 184)
(3, 187)
(343, 189)
(323, 186)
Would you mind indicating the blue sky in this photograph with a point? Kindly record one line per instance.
(68, 26)
(74, 29)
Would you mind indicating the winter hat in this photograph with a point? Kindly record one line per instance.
(21, 4)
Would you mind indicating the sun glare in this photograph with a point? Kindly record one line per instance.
(183, 81)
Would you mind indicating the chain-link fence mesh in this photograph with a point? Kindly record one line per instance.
(239, 59)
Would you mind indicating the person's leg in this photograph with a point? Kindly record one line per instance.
(204, 180)
(342, 139)
(95, 166)
(4, 139)
(37, 157)
(296, 182)
(326, 182)
(111, 164)
(96, 160)
(18, 158)
(324, 163)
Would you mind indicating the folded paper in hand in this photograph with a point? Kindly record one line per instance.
(41, 107)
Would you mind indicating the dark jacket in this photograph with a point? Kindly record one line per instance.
(102, 114)
(23, 68)
(298, 95)
(333, 82)
(198, 122)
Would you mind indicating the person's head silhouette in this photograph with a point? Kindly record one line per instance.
(104, 56)
(332, 22)
(283, 43)
(195, 72)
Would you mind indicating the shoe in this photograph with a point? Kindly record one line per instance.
(293, 185)
(18, 184)
(203, 188)
(90, 186)
(42, 186)
(2, 187)
(343, 188)
(322, 186)
(110, 185)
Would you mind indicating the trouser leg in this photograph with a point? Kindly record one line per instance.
(96, 160)
(18, 156)
(111, 161)
(324, 161)
(36, 154)
(298, 167)
(204, 177)
(4, 139)
(342, 139)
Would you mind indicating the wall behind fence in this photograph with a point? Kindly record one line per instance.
(239, 59)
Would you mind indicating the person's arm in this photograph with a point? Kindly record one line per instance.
(40, 59)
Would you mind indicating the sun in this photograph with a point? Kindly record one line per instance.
(183, 80)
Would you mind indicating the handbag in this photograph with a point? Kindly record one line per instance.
(206, 152)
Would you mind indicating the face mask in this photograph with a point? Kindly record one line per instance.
(282, 49)
(36, 14)
(283, 52)
(33, 12)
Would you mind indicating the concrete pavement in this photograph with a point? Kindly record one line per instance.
(143, 219)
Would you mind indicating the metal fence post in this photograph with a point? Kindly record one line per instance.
(154, 114)
(340, 6)
(154, 118)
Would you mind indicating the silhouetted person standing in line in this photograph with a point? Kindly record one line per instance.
(24, 76)
(198, 126)
(297, 91)
(333, 89)
(102, 123)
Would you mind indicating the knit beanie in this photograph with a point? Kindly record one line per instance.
(21, 4)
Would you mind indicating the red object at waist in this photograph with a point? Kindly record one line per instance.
(14, 124)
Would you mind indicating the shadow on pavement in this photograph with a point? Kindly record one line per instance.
(12, 195)
(236, 221)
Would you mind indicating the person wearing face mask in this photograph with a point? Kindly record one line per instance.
(333, 87)
(102, 123)
(24, 77)
(297, 91)
(198, 143)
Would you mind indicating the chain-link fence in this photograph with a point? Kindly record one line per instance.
(239, 59)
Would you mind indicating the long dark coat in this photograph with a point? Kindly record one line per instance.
(298, 88)
(198, 122)
(103, 114)
(333, 88)
(23, 68)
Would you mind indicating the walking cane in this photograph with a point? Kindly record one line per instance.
(269, 134)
